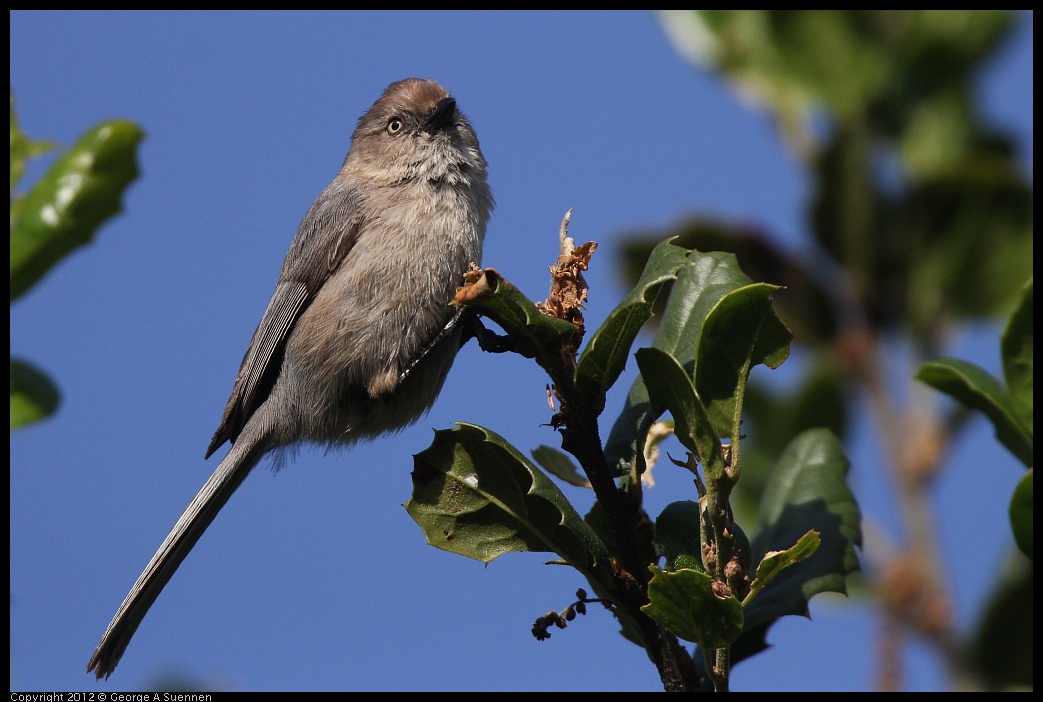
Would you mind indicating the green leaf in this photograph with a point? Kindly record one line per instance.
(684, 603)
(847, 217)
(808, 308)
(740, 332)
(535, 334)
(807, 491)
(697, 290)
(772, 418)
(1021, 513)
(677, 536)
(1001, 648)
(605, 354)
(970, 230)
(625, 443)
(975, 388)
(476, 495)
(33, 395)
(558, 464)
(670, 387)
(80, 191)
(1016, 349)
(775, 561)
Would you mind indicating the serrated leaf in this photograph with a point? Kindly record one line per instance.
(1016, 350)
(670, 387)
(33, 395)
(698, 288)
(684, 603)
(558, 464)
(975, 388)
(606, 352)
(774, 561)
(535, 334)
(1021, 513)
(741, 331)
(677, 536)
(476, 495)
(807, 491)
(80, 191)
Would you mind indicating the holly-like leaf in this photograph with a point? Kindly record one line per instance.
(80, 191)
(476, 495)
(975, 388)
(807, 491)
(606, 353)
(684, 603)
(696, 291)
(741, 331)
(772, 418)
(670, 387)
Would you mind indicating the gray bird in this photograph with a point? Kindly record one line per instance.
(359, 334)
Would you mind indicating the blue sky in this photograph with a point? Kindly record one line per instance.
(316, 578)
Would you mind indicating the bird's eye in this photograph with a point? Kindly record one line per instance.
(394, 125)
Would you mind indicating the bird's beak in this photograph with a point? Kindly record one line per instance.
(444, 112)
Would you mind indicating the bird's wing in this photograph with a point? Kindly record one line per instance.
(317, 251)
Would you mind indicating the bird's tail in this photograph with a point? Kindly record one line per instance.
(244, 455)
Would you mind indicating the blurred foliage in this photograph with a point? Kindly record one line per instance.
(1007, 404)
(920, 217)
(61, 212)
(922, 204)
(999, 649)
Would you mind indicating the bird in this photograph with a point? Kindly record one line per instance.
(359, 334)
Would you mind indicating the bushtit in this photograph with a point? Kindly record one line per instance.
(359, 334)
